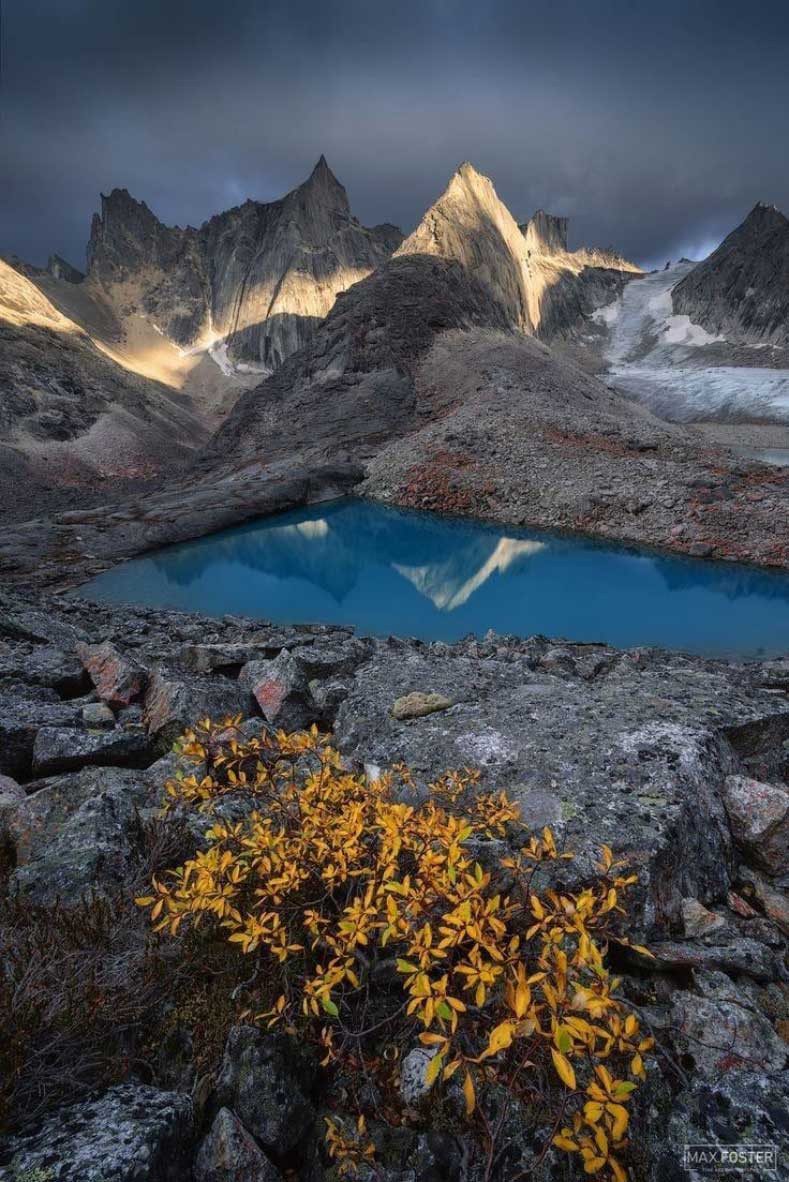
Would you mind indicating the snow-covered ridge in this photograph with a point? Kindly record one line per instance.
(659, 358)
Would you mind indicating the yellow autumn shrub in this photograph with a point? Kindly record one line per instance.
(384, 922)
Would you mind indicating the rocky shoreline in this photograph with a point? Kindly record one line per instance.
(679, 763)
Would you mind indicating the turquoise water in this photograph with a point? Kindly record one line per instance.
(390, 571)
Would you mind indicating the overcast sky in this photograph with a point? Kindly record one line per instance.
(654, 126)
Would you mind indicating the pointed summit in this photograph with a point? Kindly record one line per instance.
(471, 225)
(763, 216)
(742, 290)
(545, 233)
(323, 199)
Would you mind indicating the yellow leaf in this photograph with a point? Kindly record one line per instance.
(564, 1068)
(500, 1038)
(593, 1164)
(621, 1118)
(433, 1068)
(562, 1142)
(593, 1110)
(469, 1094)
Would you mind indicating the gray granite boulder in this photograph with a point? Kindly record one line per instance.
(229, 1153)
(130, 1134)
(64, 749)
(266, 1079)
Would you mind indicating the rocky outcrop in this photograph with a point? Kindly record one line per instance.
(259, 277)
(131, 1134)
(60, 269)
(742, 290)
(545, 233)
(541, 287)
(69, 414)
(653, 753)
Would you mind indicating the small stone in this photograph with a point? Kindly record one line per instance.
(759, 818)
(697, 920)
(418, 705)
(280, 688)
(774, 901)
(14, 816)
(118, 680)
(97, 716)
(230, 1154)
(413, 1070)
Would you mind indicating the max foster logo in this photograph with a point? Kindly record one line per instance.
(757, 1160)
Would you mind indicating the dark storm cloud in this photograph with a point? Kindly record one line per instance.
(655, 127)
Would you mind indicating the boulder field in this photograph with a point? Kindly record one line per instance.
(679, 763)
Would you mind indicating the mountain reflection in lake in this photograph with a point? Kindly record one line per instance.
(390, 571)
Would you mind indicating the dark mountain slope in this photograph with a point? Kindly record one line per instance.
(742, 290)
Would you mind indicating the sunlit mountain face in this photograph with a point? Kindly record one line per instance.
(388, 571)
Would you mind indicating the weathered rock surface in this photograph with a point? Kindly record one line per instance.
(82, 832)
(23, 712)
(66, 749)
(742, 289)
(280, 690)
(629, 748)
(230, 1154)
(118, 680)
(173, 702)
(266, 1079)
(130, 1134)
(759, 818)
(633, 750)
(419, 705)
(740, 1107)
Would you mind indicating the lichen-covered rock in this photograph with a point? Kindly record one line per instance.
(84, 833)
(759, 818)
(773, 897)
(64, 749)
(632, 755)
(130, 1134)
(744, 1106)
(44, 665)
(23, 711)
(266, 1079)
(280, 688)
(97, 716)
(419, 705)
(698, 920)
(14, 818)
(119, 680)
(173, 703)
(229, 1153)
(413, 1075)
(740, 955)
(718, 1029)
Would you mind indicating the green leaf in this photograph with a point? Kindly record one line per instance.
(443, 1011)
(330, 1007)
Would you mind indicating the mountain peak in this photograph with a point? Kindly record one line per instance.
(470, 225)
(546, 233)
(764, 214)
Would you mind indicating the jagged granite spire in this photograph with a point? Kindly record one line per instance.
(261, 275)
(545, 233)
